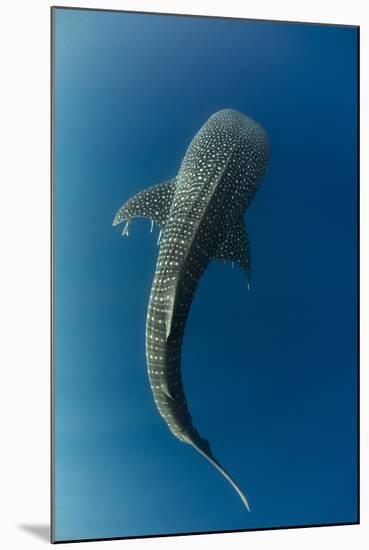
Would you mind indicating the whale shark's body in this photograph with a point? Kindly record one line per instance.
(200, 214)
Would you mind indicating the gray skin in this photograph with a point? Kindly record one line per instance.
(200, 214)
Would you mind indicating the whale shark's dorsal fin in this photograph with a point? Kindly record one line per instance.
(166, 390)
(236, 248)
(170, 311)
(153, 203)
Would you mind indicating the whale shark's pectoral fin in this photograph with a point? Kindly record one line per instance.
(236, 248)
(153, 203)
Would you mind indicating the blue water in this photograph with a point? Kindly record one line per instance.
(270, 374)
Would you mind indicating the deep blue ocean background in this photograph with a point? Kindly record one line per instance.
(270, 374)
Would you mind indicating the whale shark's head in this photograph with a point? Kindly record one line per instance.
(246, 163)
(230, 150)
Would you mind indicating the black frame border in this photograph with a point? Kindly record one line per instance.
(52, 275)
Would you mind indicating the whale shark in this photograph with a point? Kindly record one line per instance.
(200, 213)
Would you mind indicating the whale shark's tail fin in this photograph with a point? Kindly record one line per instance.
(205, 451)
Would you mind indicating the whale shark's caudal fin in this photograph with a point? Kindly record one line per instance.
(153, 203)
(220, 468)
(236, 248)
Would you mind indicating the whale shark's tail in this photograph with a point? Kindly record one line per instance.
(208, 455)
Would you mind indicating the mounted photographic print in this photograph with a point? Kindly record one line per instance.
(205, 274)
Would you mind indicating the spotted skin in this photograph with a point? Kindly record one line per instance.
(200, 213)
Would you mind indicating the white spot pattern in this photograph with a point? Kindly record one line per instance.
(200, 214)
